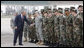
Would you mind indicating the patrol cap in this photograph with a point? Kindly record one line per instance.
(74, 10)
(45, 7)
(66, 9)
(36, 12)
(71, 8)
(49, 12)
(45, 11)
(60, 10)
(55, 10)
(42, 10)
(49, 8)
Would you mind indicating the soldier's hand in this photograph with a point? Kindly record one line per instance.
(12, 27)
(15, 27)
(31, 25)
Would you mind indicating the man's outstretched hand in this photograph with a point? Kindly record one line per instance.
(15, 27)
(31, 24)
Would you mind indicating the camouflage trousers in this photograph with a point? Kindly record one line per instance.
(44, 32)
(50, 33)
(77, 37)
(39, 33)
(26, 33)
(69, 35)
(62, 34)
(56, 32)
(32, 33)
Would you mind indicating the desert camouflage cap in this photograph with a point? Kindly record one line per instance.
(60, 10)
(66, 9)
(55, 10)
(74, 10)
(72, 7)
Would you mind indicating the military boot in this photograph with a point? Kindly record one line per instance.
(25, 40)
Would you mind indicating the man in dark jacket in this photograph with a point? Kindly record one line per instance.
(19, 24)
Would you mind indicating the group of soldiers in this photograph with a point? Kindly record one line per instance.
(58, 28)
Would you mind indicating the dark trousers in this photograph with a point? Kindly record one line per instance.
(18, 33)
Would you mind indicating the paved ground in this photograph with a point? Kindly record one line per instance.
(7, 36)
(7, 41)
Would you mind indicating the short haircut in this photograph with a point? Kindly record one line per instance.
(80, 6)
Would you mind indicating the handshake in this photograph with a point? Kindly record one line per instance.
(32, 24)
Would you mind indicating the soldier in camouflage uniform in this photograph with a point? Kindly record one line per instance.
(80, 9)
(76, 26)
(50, 26)
(62, 26)
(26, 30)
(66, 12)
(38, 26)
(32, 31)
(77, 22)
(44, 26)
(29, 30)
(69, 28)
(56, 27)
(68, 18)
